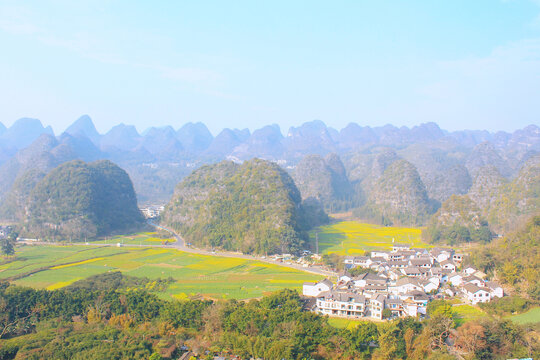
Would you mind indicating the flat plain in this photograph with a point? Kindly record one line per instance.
(53, 267)
(355, 238)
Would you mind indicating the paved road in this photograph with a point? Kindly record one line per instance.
(180, 244)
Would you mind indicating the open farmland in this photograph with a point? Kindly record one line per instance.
(355, 238)
(142, 238)
(530, 317)
(53, 267)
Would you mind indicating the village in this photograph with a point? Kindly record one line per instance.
(399, 283)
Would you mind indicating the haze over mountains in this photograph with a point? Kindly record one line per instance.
(386, 172)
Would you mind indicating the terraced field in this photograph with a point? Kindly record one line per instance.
(53, 267)
(355, 238)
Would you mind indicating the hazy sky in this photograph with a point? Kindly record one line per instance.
(461, 63)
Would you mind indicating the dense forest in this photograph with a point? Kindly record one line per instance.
(79, 200)
(115, 317)
(254, 208)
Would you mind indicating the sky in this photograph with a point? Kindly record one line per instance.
(244, 64)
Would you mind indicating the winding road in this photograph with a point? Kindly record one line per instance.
(180, 244)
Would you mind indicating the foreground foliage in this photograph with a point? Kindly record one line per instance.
(116, 323)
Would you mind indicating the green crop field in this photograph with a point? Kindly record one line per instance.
(530, 317)
(52, 267)
(143, 238)
(464, 313)
(355, 238)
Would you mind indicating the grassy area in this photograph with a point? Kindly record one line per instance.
(530, 317)
(355, 238)
(342, 323)
(465, 313)
(143, 238)
(209, 276)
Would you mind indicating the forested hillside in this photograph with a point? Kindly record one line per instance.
(79, 200)
(254, 208)
(515, 258)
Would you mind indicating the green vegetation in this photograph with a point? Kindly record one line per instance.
(141, 238)
(355, 238)
(465, 313)
(515, 259)
(325, 180)
(530, 317)
(254, 208)
(457, 221)
(508, 305)
(54, 267)
(397, 197)
(114, 322)
(78, 201)
(518, 199)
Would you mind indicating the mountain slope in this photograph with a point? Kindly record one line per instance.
(458, 220)
(84, 126)
(518, 199)
(253, 207)
(399, 196)
(79, 200)
(325, 179)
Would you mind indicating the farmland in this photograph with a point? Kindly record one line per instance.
(355, 238)
(143, 238)
(530, 317)
(53, 267)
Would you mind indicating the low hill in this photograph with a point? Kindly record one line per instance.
(80, 200)
(254, 208)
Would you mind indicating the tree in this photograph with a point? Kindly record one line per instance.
(471, 337)
(7, 247)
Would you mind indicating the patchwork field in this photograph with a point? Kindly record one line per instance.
(355, 238)
(53, 267)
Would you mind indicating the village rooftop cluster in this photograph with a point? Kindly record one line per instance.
(403, 281)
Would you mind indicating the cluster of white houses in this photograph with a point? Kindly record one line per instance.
(400, 281)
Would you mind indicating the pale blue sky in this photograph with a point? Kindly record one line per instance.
(462, 63)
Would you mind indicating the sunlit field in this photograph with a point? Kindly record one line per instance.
(355, 238)
(464, 313)
(530, 317)
(53, 267)
(143, 238)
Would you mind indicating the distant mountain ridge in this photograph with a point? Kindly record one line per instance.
(158, 158)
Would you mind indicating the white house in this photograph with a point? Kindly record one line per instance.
(405, 285)
(456, 279)
(382, 254)
(473, 280)
(448, 265)
(376, 306)
(341, 304)
(476, 294)
(314, 289)
(495, 289)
